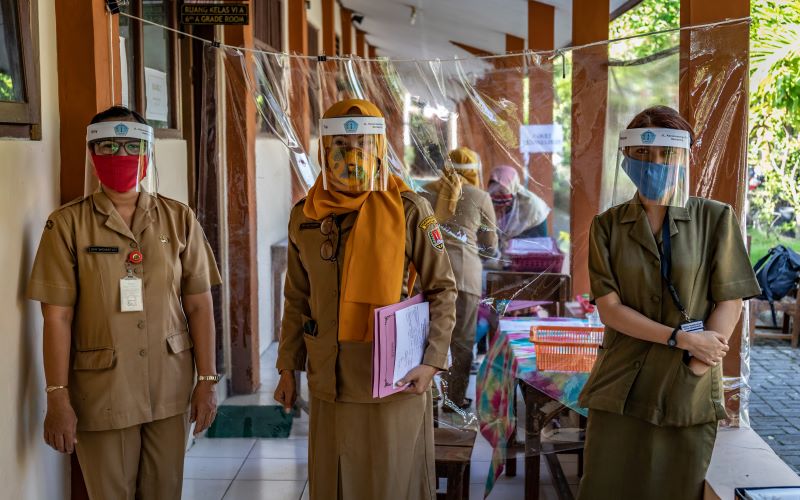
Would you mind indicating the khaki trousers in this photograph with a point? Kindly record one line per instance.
(372, 451)
(461, 346)
(140, 462)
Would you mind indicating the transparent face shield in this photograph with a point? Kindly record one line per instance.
(120, 157)
(653, 162)
(353, 154)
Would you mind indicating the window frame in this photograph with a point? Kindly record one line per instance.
(175, 119)
(22, 120)
(267, 16)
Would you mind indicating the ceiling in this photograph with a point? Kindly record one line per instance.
(479, 23)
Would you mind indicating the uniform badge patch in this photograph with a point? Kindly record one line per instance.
(49, 224)
(431, 228)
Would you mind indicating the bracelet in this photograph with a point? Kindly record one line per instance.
(51, 388)
(209, 378)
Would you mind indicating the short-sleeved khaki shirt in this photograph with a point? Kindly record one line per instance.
(127, 367)
(709, 265)
(469, 233)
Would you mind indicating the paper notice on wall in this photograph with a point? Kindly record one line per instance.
(157, 94)
(411, 325)
(547, 138)
(123, 71)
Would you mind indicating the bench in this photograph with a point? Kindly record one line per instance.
(453, 450)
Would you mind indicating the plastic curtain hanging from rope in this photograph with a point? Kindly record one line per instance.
(544, 128)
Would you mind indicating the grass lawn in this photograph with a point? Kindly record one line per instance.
(760, 243)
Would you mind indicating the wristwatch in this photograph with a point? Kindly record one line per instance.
(673, 339)
(209, 378)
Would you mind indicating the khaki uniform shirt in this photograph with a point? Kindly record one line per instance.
(469, 233)
(709, 265)
(340, 370)
(127, 367)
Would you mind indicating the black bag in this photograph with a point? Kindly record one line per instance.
(777, 274)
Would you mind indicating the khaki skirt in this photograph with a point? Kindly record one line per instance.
(628, 458)
(372, 451)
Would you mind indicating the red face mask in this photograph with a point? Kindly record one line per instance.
(119, 172)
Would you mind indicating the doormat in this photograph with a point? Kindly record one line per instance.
(235, 421)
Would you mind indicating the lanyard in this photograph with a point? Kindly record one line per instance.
(666, 266)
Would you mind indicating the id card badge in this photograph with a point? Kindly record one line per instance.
(693, 326)
(130, 294)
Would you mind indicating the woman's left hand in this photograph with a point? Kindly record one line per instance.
(204, 406)
(418, 379)
(698, 367)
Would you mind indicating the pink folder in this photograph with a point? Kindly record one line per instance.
(384, 347)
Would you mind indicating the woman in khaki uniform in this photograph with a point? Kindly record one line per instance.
(124, 279)
(352, 242)
(467, 217)
(655, 393)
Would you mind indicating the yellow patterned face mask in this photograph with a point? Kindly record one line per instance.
(352, 168)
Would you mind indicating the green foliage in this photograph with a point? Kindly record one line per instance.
(761, 242)
(774, 150)
(647, 17)
(6, 87)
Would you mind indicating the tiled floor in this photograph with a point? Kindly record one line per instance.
(277, 469)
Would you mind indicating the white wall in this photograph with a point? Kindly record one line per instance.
(314, 15)
(173, 179)
(273, 203)
(337, 19)
(29, 189)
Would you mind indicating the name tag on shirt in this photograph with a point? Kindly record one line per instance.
(130, 294)
(97, 249)
(694, 326)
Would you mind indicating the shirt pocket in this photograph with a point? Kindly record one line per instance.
(178, 342)
(94, 359)
(689, 401)
(321, 359)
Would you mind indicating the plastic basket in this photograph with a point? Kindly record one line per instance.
(566, 348)
(538, 263)
(535, 255)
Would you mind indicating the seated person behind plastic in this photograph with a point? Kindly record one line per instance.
(519, 212)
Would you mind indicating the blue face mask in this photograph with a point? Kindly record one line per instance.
(652, 179)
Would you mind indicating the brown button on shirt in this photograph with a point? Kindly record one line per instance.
(338, 370)
(709, 265)
(127, 367)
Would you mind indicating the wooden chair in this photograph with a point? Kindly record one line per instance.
(453, 449)
(508, 285)
(789, 310)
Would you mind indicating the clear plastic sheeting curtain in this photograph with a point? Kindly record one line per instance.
(553, 120)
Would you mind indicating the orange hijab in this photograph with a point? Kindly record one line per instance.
(374, 255)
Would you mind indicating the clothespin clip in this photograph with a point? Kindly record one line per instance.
(322, 58)
(112, 6)
(215, 44)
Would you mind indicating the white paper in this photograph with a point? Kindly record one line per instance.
(548, 138)
(123, 71)
(157, 93)
(411, 327)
